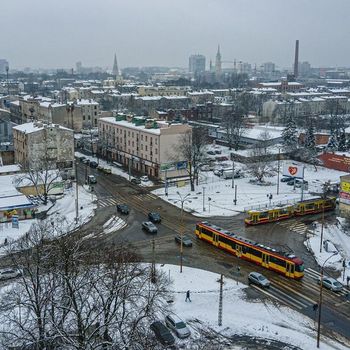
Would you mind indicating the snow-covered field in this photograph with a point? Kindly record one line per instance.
(249, 195)
(240, 316)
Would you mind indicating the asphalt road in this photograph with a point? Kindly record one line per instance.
(300, 295)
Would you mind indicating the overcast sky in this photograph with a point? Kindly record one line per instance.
(58, 33)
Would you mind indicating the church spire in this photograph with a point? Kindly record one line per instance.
(218, 64)
(115, 70)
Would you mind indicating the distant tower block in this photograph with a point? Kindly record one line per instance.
(296, 59)
(115, 70)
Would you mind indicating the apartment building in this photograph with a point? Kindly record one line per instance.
(145, 145)
(37, 143)
(90, 110)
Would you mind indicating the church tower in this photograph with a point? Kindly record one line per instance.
(115, 70)
(218, 64)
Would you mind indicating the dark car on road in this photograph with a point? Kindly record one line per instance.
(286, 179)
(186, 241)
(135, 181)
(162, 333)
(154, 217)
(93, 164)
(123, 208)
(149, 226)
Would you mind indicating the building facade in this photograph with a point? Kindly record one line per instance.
(145, 145)
(196, 64)
(48, 146)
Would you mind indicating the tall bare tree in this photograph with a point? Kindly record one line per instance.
(234, 126)
(191, 148)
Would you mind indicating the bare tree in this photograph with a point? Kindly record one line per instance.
(234, 126)
(73, 297)
(262, 165)
(191, 148)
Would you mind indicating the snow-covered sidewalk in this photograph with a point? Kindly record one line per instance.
(240, 316)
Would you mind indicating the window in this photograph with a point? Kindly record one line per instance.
(156, 141)
(132, 134)
(141, 147)
(132, 143)
(128, 133)
(146, 147)
(277, 261)
(141, 137)
(146, 137)
(207, 232)
(128, 142)
(156, 151)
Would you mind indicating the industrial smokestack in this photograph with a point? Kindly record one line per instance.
(296, 59)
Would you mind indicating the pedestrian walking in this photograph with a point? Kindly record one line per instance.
(188, 296)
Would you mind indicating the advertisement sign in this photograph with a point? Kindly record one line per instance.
(344, 198)
(173, 166)
(14, 221)
(345, 187)
(293, 170)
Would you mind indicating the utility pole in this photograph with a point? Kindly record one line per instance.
(182, 237)
(153, 266)
(278, 170)
(235, 200)
(7, 79)
(76, 193)
(220, 300)
(322, 221)
(129, 169)
(233, 173)
(203, 198)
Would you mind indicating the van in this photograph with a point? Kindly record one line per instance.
(227, 174)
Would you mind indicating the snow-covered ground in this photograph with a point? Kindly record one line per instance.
(63, 207)
(240, 316)
(338, 238)
(249, 195)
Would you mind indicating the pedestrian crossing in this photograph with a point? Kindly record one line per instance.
(106, 202)
(293, 293)
(294, 225)
(145, 196)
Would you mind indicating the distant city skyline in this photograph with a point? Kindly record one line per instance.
(165, 33)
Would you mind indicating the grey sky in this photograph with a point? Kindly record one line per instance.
(57, 33)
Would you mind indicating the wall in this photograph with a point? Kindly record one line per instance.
(336, 161)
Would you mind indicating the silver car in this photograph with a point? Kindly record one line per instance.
(178, 326)
(259, 279)
(149, 226)
(8, 273)
(331, 284)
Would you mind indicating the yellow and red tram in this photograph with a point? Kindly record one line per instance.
(306, 207)
(281, 262)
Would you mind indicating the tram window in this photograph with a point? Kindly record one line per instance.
(299, 268)
(283, 211)
(225, 240)
(309, 206)
(263, 214)
(207, 232)
(255, 252)
(277, 261)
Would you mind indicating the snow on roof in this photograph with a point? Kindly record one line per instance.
(16, 103)
(9, 168)
(83, 102)
(34, 127)
(199, 93)
(46, 104)
(130, 125)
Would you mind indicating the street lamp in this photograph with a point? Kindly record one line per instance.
(320, 301)
(182, 200)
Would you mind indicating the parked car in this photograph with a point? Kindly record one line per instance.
(92, 179)
(258, 279)
(144, 178)
(186, 242)
(100, 168)
(93, 164)
(331, 284)
(86, 161)
(123, 208)
(81, 158)
(154, 217)
(218, 151)
(8, 273)
(178, 326)
(107, 170)
(218, 172)
(286, 179)
(149, 226)
(212, 153)
(135, 181)
(162, 333)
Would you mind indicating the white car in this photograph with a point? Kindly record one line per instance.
(178, 326)
(8, 273)
(144, 178)
(331, 284)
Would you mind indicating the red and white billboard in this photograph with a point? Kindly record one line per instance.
(293, 170)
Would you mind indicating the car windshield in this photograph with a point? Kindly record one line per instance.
(299, 268)
(261, 278)
(337, 284)
(180, 325)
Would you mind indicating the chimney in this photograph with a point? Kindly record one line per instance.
(296, 59)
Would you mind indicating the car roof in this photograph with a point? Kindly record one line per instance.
(256, 274)
(175, 318)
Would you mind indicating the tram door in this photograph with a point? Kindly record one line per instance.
(215, 239)
(289, 269)
(239, 250)
(265, 260)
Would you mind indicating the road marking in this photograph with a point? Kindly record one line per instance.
(293, 291)
(290, 297)
(141, 197)
(280, 299)
(106, 202)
